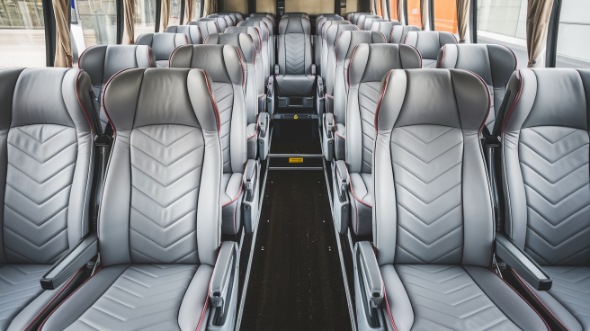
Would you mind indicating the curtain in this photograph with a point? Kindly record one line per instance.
(189, 10)
(463, 7)
(165, 14)
(63, 43)
(400, 10)
(537, 22)
(424, 13)
(129, 6)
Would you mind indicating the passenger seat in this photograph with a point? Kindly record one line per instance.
(429, 44)
(192, 32)
(384, 27)
(399, 33)
(207, 26)
(162, 45)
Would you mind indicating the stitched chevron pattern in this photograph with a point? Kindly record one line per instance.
(447, 298)
(41, 164)
(144, 297)
(166, 173)
(224, 97)
(427, 166)
(571, 287)
(368, 96)
(554, 164)
(295, 53)
(19, 284)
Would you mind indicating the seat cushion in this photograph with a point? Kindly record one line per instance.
(19, 286)
(362, 203)
(295, 85)
(231, 191)
(443, 297)
(137, 297)
(569, 298)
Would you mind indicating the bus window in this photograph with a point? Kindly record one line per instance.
(145, 17)
(445, 15)
(574, 23)
(22, 34)
(174, 12)
(93, 22)
(393, 14)
(414, 14)
(504, 22)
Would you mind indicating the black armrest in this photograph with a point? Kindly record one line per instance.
(250, 180)
(342, 178)
(223, 277)
(522, 263)
(75, 259)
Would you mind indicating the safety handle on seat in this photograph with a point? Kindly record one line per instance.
(75, 259)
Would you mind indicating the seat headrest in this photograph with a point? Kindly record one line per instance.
(323, 20)
(548, 97)
(294, 25)
(158, 96)
(207, 26)
(262, 28)
(254, 32)
(333, 31)
(223, 63)
(241, 41)
(349, 39)
(399, 33)
(456, 98)
(192, 32)
(371, 62)
(384, 27)
(162, 43)
(429, 43)
(103, 61)
(46, 96)
(494, 63)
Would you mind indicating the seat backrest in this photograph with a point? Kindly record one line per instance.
(268, 15)
(267, 44)
(228, 20)
(346, 43)
(162, 45)
(244, 43)
(429, 44)
(47, 162)
(295, 14)
(328, 55)
(226, 70)
(192, 32)
(221, 22)
(432, 202)
(353, 18)
(165, 166)
(207, 26)
(259, 60)
(101, 62)
(362, 18)
(384, 27)
(399, 33)
(369, 64)
(369, 22)
(320, 42)
(294, 46)
(298, 25)
(320, 21)
(545, 164)
(493, 63)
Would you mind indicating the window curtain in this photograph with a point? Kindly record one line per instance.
(63, 43)
(165, 14)
(189, 10)
(537, 23)
(400, 11)
(424, 13)
(463, 7)
(129, 8)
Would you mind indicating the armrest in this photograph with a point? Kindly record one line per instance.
(370, 274)
(342, 178)
(263, 135)
(514, 257)
(69, 263)
(328, 136)
(223, 276)
(250, 173)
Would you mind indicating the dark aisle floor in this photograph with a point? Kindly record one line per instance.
(296, 279)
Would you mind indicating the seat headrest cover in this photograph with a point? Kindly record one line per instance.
(254, 32)
(347, 40)
(371, 62)
(334, 31)
(548, 97)
(429, 43)
(47, 96)
(101, 62)
(163, 96)
(192, 32)
(241, 41)
(294, 25)
(404, 92)
(223, 63)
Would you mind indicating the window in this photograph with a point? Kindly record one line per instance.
(445, 15)
(174, 12)
(145, 16)
(414, 14)
(93, 22)
(504, 22)
(393, 14)
(574, 23)
(22, 34)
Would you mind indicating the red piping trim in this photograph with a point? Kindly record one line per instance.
(513, 106)
(483, 82)
(389, 310)
(237, 196)
(376, 121)
(174, 51)
(213, 103)
(349, 65)
(203, 312)
(78, 97)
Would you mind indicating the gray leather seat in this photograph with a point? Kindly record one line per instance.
(360, 22)
(269, 15)
(270, 27)
(267, 43)
(368, 23)
(101, 62)
(320, 45)
(295, 15)
(226, 71)
(368, 66)
(258, 61)
(295, 71)
(48, 144)
(384, 27)
(493, 63)
(162, 45)
(399, 33)
(434, 223)
(227, 20)
(207, 26)
(192, 32)
(252, 96)
(159, 225)
(429, 44)
(545, 176)
(353, 17)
